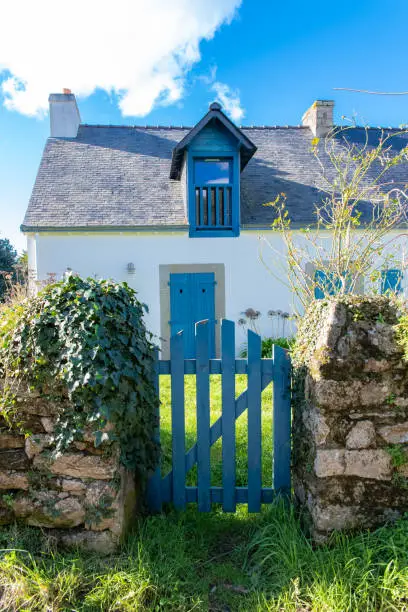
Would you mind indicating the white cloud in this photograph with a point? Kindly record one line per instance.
(229, 100)
(139, 49)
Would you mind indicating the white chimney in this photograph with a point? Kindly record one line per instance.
(64, 115)
(319, 117)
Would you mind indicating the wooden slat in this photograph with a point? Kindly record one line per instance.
(177, 418)
(281, 421)
(203, 416)
(241, 366)
(154, 486)
(241, 495)
(217, 208)
(254, 422)
(228, 414)
(201, 207)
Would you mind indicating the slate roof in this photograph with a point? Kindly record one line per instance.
(118, 177)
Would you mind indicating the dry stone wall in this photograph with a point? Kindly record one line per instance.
(350, 428)
(83, 494)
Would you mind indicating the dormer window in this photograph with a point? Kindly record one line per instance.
(213, 190)
(210, 158)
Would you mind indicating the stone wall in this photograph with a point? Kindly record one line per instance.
(350, 417)
(83, 494)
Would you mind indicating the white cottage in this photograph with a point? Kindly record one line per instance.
(174, 211)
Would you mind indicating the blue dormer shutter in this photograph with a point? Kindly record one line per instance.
(213, 187)
(391, 280)
(213, 194)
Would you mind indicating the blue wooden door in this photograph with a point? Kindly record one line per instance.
(192, 299)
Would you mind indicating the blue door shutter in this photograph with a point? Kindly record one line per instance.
(391, 280)
(192, 299)
(180, 309)
(204, 303)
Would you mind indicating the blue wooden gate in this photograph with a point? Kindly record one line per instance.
(172, 487)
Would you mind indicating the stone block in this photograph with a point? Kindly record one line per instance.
(101, 542)
(9, 440)
(380, 416)
(373, 464)
(36, 443)
(77, 465)
(39, 407)
(329, 463)
(382, 336)
(334, 517)
(48, 510)
(48, 424)
(315, 422)
(373, 393)
(73, 486)
(334, 395)
(362, 435)
(377, 365)
(10, 479)
(14, 460)
(395, 434)
(100, 499)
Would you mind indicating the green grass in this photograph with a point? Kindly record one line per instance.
(214, 562)
(215, 410)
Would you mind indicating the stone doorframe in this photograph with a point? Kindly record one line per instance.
(164, 278)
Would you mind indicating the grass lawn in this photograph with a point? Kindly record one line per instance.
(215, 409)
(214, 562)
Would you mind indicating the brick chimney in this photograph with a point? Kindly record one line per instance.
(319, 117)
(64, 114)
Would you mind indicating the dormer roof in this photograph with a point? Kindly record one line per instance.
(244, 144)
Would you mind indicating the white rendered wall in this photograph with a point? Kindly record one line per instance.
(248, 282)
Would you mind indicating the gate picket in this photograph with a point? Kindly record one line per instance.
(254, 422)
(228, 415)
(203, 415)
(281, 421)
(177, 420)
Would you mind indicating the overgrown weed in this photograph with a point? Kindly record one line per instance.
(210, 562)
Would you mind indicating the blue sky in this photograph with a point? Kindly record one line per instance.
(270, 60)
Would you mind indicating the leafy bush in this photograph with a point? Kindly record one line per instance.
(8, 260)
(402, 334)
(85, 339)
(267, 344)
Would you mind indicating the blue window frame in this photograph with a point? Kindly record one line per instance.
(213, 195)
(391, 280)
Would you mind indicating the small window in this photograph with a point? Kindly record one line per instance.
(213, 194)
(212, 171)
(391, 281)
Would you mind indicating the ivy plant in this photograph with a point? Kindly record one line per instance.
(85, 340)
